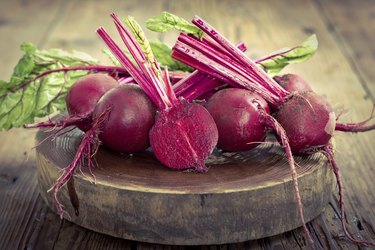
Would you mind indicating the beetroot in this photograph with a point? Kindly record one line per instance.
(292, 83)
(184, 134)
(121, 120)
(295, 83)
(236, 113)
(80, 100)
(85, 93)
(130, 119)
(308, 120)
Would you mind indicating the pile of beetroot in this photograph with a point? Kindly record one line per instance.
(242, 105)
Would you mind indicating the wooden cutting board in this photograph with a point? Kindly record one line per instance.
(244, 196)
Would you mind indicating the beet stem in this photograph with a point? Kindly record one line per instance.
(328, 151)
(144, 58)
(198, 83)
(264, 79)
(94, 68)
(215, 54)
(203, 63)
(148, 75)
(259, 61)
(271, 122)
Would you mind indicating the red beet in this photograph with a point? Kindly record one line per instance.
(295, 83)
(308, 120)
(80, 100)
(236, 114)
(130, 119)
(85, 93)
(184, 136)
(292, 83)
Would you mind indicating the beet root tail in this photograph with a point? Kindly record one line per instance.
(271, 122)
(355, 127)
(59, 123)
(86, 150)
(59, 126)
(328, 151)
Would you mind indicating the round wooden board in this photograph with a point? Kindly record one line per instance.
(244, 196)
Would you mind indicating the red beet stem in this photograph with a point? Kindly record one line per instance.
(150, 67)
(93, 68)
(271, 122)
(148, 74)
(259, 61)
(87, 148)
(126, 62)
(328, 151)
(182, 86)
(241, 46)
(207, 84)
(198, 83)
(226, 73)
(262, 76)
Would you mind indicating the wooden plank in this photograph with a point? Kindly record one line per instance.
(19, 188)
(20, 21)
(352, 25)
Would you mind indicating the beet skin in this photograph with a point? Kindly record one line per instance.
(85, 93)
(308, 120)
(131, 117)
(236, 114)
(292, 83)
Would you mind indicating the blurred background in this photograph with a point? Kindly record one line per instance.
(342, 70)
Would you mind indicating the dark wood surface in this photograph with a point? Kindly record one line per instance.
(137, 198)
(342, 71)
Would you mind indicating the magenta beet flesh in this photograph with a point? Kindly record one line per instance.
(131, 117)
(237, 117)
(184, 136)
(308, 120)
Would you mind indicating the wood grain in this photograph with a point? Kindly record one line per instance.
(341, 71)
(244, 196)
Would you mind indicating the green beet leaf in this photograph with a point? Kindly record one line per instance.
(22, 98)
(167, 21)
(275, 62)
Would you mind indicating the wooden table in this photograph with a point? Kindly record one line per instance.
(342, 71)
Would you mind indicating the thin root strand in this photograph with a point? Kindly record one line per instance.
(328, 151)
(271, 122)
(89, 141)
(357, 126)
